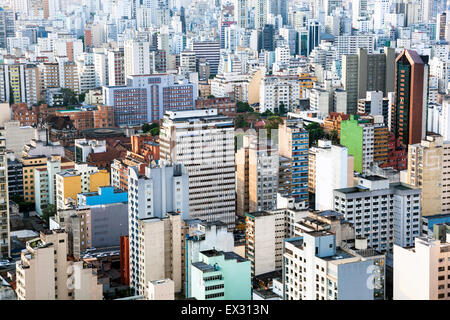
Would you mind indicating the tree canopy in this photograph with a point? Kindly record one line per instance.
(152, 128)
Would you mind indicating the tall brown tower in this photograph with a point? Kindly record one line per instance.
(409, 112)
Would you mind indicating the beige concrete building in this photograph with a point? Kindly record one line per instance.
(254, 86)
(265, 232)
(159, 245)
(428, 170)
(256, 175)
(45, 272)
(77, 223)
(422, 272)
(161, 290)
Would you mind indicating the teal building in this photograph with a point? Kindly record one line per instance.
(221, 276)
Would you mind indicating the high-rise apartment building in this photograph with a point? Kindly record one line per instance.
(428, 170)
(256, 175)
(116, 67)
(7, 26)
(136, 58)
(203, 142)
(158, 252)
(313, 35)
(265, 233)
(158, 200)
(210, 51)
(408, 114)
(241, 13)
(384, 213)
(260, 14)
(358, 137)
(5, 246)
(332, 168)
(293, 144)
(20, 83)
(375, 72)
(319, 266)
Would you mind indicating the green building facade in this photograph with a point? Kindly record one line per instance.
(352, 138)
(221, 276)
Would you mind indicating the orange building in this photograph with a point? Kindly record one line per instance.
(145, 148)
(333, 122)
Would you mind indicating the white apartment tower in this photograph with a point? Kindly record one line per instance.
(241, 13)
(203, 142)
(136, 58)
(157, 201)
(385, 214)
(333, 170)
(317, 267)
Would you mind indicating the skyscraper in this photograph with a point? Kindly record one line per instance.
(260, 14)
(5, 247)
(408, 114)
(6, 26)
(364, 72)
(241, 13)
(293, 142)
(203, 142)
(313, 35)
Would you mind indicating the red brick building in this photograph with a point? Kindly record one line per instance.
(145, 147)
(30, 116)
(397, 154)
(225, 106)
(87, 118)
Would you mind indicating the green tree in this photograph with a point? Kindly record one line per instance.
(11, 97)
(48, 211)
(243, 107)
(333, 136)
(211, 96)
(69, 97)
(315, 133)
(82, 97)
(282, 109)
(267, 113)
(152, 128)
(272, 123)
(240, 122)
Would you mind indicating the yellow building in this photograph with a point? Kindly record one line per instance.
(81, 179)
(306, 82)
(29, 164)
(98, 179)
